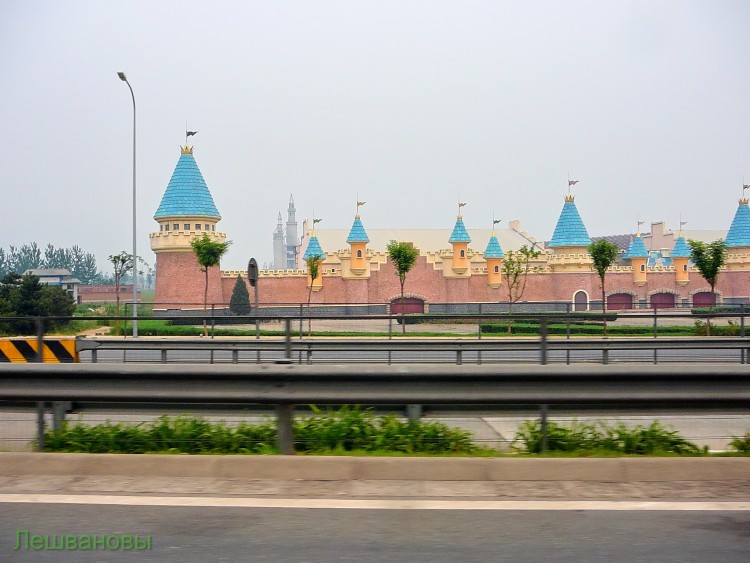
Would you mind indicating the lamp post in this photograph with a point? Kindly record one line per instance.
(135, 254)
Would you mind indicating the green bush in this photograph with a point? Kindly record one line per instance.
(332, 431)
(599, 437)
(583, 329)
(741, 444)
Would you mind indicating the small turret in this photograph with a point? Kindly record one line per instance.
(460, 240)
(494, 255)
(680, 258)
(358, 240)
(314, 250)
(638, 256)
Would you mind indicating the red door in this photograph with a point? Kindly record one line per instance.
(410, 305)
(704, 299)
(662, 301)
(619, 301)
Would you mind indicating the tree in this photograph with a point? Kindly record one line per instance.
(208, 252)
(709, 259)
(516, 266)
(313, 268)
(604, 254)
(122, 264)
(239, 303)
(27, 297)
(403, 255)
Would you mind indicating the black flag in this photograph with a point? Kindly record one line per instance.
(190, 133)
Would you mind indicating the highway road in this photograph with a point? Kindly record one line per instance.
(221, 533)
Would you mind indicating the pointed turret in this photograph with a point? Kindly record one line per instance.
(570, 235)
(315, 251)
(460, 240)
(187, 211)
(638, 255)
(739, 231)
(680, 258)
(291, 240)
(494, 255)
(358, 240)
(279, 250)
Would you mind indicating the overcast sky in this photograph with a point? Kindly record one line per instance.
(410, 104)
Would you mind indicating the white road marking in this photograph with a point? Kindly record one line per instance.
(375, 504)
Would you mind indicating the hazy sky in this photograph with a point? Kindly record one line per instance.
(409, 104)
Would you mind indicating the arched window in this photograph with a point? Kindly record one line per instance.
(359, 254)
(684, 267)
(463, 254)
(497, 269)
(643, 267)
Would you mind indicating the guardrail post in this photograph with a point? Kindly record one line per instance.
(459, 356)
(543, 341)
(414, 413)
(288, 338)
(284, 418)
(39, 324)
(656, 331)
(543, 411)
(58, 414)
(567, 337)
(235, 356)
(40, 426)
(164, 356)
(301, 313)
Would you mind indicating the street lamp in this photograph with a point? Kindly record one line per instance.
(135, 254)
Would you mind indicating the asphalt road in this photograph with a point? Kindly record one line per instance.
(280, 534)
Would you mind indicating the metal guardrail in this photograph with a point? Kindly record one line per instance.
(286, 385)
(409, 350)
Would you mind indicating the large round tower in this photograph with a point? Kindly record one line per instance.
(186, 212)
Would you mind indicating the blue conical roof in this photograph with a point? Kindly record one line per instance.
(459, 233)
(681, 249)
(636, 249)
(739, 232)
(357, 234)
(570, 230)
(493, 249)
(187, 192)
(313, 249)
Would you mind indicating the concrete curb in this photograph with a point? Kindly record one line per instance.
(321, 468)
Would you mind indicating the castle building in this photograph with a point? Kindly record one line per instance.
(450, 274)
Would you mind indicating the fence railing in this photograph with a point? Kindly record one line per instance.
(684, 386)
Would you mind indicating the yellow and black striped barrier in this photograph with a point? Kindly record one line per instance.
(24, 350)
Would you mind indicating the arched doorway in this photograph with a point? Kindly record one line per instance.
(580, 301)
(410, 305)
(618, 301)
(704, 299)
(663, 301)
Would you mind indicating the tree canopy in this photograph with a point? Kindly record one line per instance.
(25, 296)
(709, 259)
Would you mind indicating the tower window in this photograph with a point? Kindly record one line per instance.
(684, 267)
(643, 267)
(359, 254)
(463, 254)
(176, 227)
(197, 226)
(208, 227)
(213, 227)
(497, 269)
(187, 226)
(166, 227)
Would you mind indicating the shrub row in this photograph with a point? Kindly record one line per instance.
(343, 430)
(599, 437)
(586, 329)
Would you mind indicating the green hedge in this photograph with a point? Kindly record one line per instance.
(343, 430)
(585, 329)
